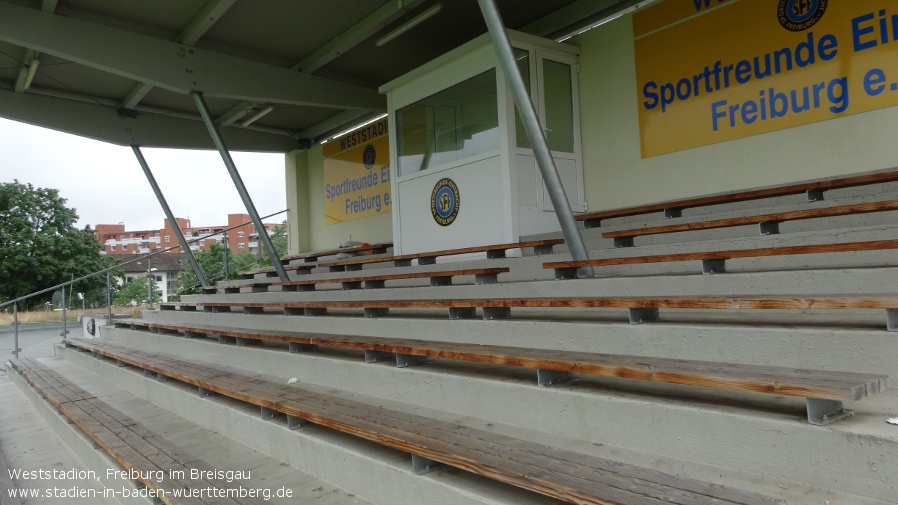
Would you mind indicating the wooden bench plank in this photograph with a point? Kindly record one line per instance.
(260, 285)
(429, 257)
(821, 384)
(520, 463)
(127, 441)
(376, 248)
(567, 269)
(840, 210)
(593, 219)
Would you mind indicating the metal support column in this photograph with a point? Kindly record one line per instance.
(64, 330)
(108, 300)
(15, 322)
(238, 183)
(197, 268)
(535, 134)
(150, 283)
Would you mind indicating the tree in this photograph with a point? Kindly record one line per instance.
(40, 246)
(134, 290)
(278, 237)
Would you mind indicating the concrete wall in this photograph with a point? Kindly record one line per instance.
(304, 173)
(616, 175)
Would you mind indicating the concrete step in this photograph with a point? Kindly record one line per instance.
(750, 441)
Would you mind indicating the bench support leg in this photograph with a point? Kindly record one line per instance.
(422, 465)
(491, 313)
(495, 254)
(376, 356)
(119, 363)
(294, 347)
(194, 334)
(260, 288)
(148, 373)
(769, 227)
(402, 263)
(566, 273)
(267, 413)
(441, 280)
(815, 195)
(546, 378)
(623, 242)
(672, 212)
(592, 223)
(294, 422)
(336, 268)
(892, 319)
(203, 392)
(644, 315)
(376, 312)
(243, 342)
(160, 377)
(252, 310)
(351, 285)
(462, 312)
(304, 288)
(315, 311)
(823, 412)
(486, 278)
(407, 360)
(542, 250)
(714, 266)
(184, 308)
(375, 284)
(427, 260)
(222, 339)
(228, 291)
(353, 268)
(292, 311)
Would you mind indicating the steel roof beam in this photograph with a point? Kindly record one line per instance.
(374, 22)
(105, 123)
(198, 26)
(30, 55)
(174, 66)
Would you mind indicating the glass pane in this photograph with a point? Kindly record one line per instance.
(451, 125)
(559, 106)
(523, 60)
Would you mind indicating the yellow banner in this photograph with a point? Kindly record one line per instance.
(357, 174)
(710, 71)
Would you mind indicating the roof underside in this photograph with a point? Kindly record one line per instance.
(276, 74)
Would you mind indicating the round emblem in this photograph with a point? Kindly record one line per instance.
(799, 15)
(91, 327)
(445, 202)
(369, 156)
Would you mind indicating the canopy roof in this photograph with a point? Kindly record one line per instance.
(277, 74)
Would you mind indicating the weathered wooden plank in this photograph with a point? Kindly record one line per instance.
(446, 252)
(872, 245)
(841, 210)
(741, 196)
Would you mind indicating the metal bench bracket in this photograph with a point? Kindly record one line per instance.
(714, 266)
(623, 242)
(375, 284)
(592, 223)
(402, 263)
(315, 311)
(769, 227)
(486, 278)
(672, 212)
(892, 319)
(406, 360)
(566, 273)
(376, 312)
(491, 313)
(295, 347)
(354, 267)
(815, 195)
(224, 339)
(336, 268)
(427, 260)
(243, 342)
(495, 254)
(823, 412)
(644, 315)
(267, 413)
(294, 422)
(441, 280)
(351, 285)
(422, 465)
(546, 378)
(377, 356)
(542, 250)
(462, 312)
(252, 310)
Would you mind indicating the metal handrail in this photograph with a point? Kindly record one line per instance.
(15, 302)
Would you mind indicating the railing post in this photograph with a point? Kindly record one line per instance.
(150, 282)
(238, 183)
(64, 331)
(15, 322)
(535, 133)
(108, 300)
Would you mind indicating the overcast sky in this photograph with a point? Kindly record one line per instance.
(105, 185)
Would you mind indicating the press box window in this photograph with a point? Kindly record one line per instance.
(449, 126)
